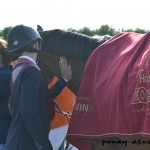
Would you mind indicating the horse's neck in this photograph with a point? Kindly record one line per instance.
(50, 66)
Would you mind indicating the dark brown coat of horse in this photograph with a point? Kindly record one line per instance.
(74, 46)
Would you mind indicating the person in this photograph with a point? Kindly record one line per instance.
(5, 74)
(32, 107)
(59, 126)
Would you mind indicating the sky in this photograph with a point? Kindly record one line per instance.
(76, 14)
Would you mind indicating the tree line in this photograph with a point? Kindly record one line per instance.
(103, 30)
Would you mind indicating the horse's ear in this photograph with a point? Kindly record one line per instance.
(39, 28)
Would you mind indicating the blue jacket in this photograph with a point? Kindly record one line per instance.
(30, 111)
(5, 119)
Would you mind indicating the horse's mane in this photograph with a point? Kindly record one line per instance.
(69, 44)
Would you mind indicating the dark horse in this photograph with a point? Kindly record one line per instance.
(74, 46)
(77, 48)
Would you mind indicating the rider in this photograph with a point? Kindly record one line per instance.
(31, 104)
(5, 74)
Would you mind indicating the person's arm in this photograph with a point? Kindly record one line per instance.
(66, 72)
(56, 89)
(4, 84)
(30, 107)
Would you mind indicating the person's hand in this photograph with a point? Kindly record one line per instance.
(65, 69)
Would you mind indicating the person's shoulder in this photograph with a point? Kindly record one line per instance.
(6, 70)
(30, 70)
(31, 74)
(26, 66)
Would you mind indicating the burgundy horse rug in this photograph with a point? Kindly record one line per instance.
(114, 95)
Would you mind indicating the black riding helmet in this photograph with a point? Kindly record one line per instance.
(21, 37)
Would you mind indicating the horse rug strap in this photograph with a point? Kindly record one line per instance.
(114, 95)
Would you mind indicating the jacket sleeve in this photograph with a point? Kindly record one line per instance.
(30, 105)
(56, 89)
(4, 84)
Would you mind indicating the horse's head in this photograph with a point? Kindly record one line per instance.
(74, 46)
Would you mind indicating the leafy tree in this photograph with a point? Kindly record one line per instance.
(86, 31)
(105, 29)
(4, 32)
(128, 30)
(138, 30)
